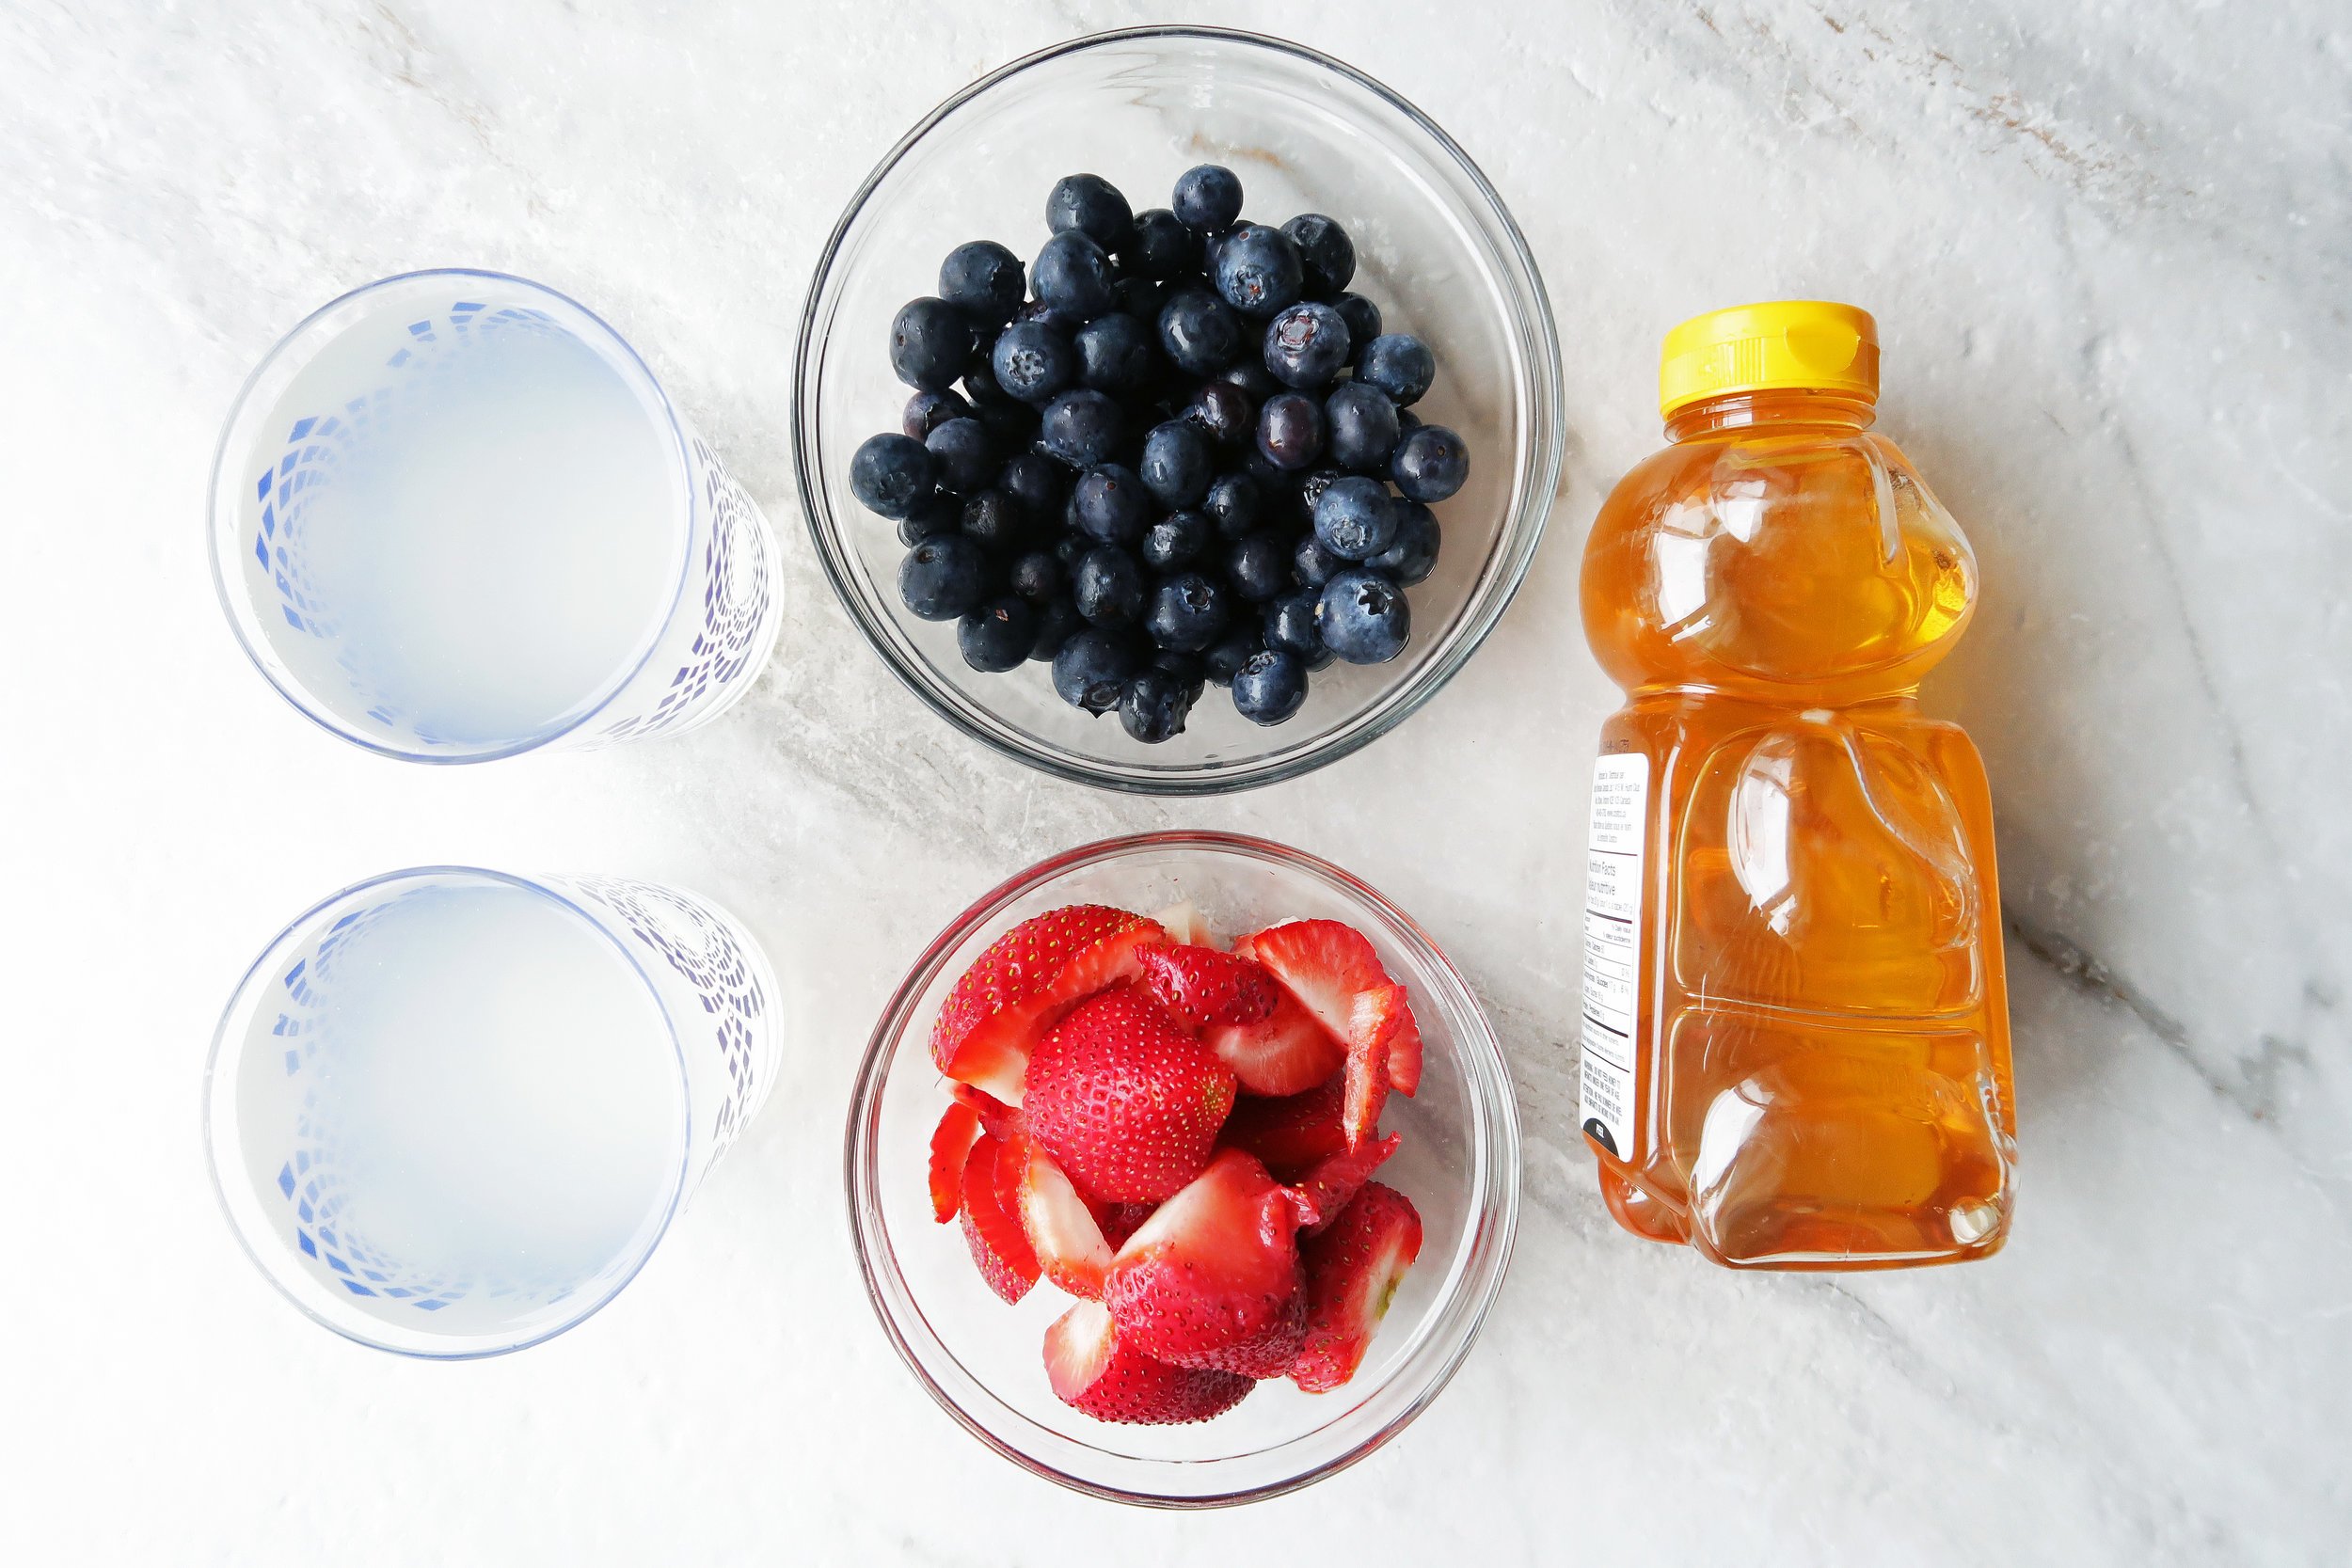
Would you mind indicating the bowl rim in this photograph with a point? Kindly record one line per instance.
(1490, 1232)
(1544, 392)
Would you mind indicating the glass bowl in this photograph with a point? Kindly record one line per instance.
(1435, 250)
(981, 1360)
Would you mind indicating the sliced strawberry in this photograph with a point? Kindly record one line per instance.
(1290, 1134)
(1352, 1272)
(1127, 1102)
(1378, 1014)
(1200, 986)
(1212, 1280)
(1335, 1181)
(1027, 979)
(1121, 1220)
(998, 1119)
(1404, 1054)
(959, 1128)
(998, 1244)
(1061, 1229)
(1185, 923)
(1323, 963)
(1094, 1368)
(1284, 1053)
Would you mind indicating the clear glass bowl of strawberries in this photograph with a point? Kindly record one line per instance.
(1182, 1169)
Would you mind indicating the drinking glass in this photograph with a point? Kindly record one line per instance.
(451, 1111)
(453, 518)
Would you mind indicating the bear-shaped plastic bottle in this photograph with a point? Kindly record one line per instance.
(1796, 1024)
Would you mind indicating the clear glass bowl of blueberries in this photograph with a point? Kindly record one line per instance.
(1178, 409)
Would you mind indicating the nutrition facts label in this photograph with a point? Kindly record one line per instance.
(1614, 843)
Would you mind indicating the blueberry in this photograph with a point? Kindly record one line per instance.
(1252, 376)
(926, 411)
(1363, 322)
(1222, 412)
(998, 635)
(934, 513)
(1037, 577)
(1092, 669)
(1310, 488)
(1233, 504)
(1430, 463)
(1259, 565)
(961, 456)
(1413, 553)
(1108, 586)
(995, 521)
(984, 280)
(1290, 430)
(1276, 484)
(1259, 270)
(1363, 426)
(1092, 206)
(1064, 322)
(1289, 625)
(1038, 483)
(1270, 686)
(1207, 198)
(1163, 247)
(1188, 668)
(1400, 365)
(1199, 332)
(1176, 540)
(1111, 504)
(1313, 565)
(1117, 352)
(1186, 613)
(1056, 620)
(1228, 653)
(1010, 425)
(942, 576)
(1354, 517)
(1071, 548)
(1140, 297)
(1072, 275)
(931, 344)
(1081, 428)
(1306, 345)
(1176, 464)
(1153, 706)
(1407, 422)
(1363, 617)
(1032, 361)
(1324, 251)
(891, 474)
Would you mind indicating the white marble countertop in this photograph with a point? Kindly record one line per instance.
(2110, 247)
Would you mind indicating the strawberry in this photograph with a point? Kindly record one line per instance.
(1290, 1134)
(1404, 1054)
(1284, 1053)
(1060, 1228)
(1027, 979)
(1184, 922)
(1095, 1368)
(1352, 1272)
(998, 1119)
(1200, 986)
(998, 1245)
(1127, 1102)
(959, 1128)
(1378, 1014)
(1336, 1180)
(1123, 1220)
(1212, 1280)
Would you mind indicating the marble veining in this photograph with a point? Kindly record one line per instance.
(2109, 248)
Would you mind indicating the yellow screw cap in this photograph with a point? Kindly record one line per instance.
(1811, 344)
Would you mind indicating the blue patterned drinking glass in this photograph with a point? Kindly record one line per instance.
(450, 1112)
(454, 517)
